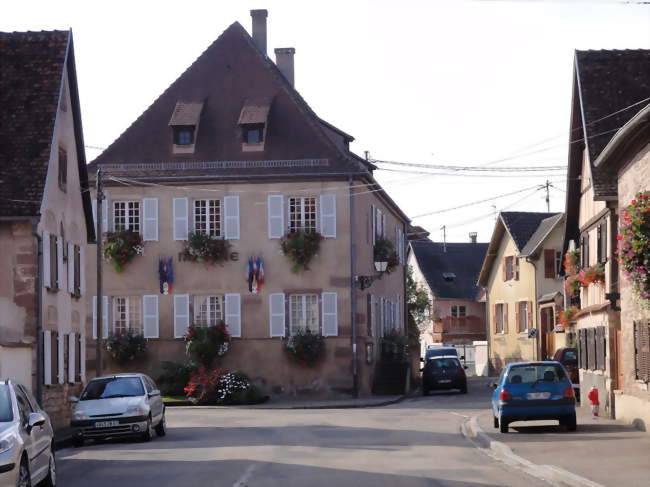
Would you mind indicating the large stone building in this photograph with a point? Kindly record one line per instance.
(44, 207)
(232, 150)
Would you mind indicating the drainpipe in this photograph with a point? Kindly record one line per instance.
(39, 314)
(353, 290)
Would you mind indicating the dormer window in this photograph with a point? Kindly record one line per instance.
(253, 121)
(185, 124)
(448, 276)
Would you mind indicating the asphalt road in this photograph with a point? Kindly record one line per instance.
(414, 443)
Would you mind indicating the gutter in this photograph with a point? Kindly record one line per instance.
(39, 314)
(619, 137)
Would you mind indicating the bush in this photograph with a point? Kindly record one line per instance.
(173, 377)
(235, 388)
(300, 247)
(125, 347)
(205, 344)
(121, 247)
(203, 384)
(305, 347)
(394, 347)
(205, 248)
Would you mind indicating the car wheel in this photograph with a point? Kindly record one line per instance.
(463, 390)
(50, 480)
(503, 425)
(24, 479)
(78, 441)
(569, 422)
(148, 434)
(496, 421)
(161, 428)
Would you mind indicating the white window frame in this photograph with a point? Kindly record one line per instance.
(129, 214)
(209, 224)
(128, 301)
(303, 300)
(199, 300)
(302, 214)
(456, 310)
(501, 330)
(519, 317)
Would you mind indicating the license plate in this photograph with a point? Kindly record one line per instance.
(538, 395)
(106, 424)
(444, 381)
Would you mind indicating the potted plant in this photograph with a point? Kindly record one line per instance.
(300, 247)
(593, 274)
(384, 255)
(305, 347)
(634, 244)
(121, 247)
(205, 248)
(205, 344)
(568, 316)
(126, 347)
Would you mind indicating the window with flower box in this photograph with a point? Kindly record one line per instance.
(208, 310)
(126, 216)
(127, 314)
(302, 214)
(303, 313)
(207, 217)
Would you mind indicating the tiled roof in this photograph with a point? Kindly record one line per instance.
(30, 82)
(611, 84)
(545, 227)
(228, 73)
(462, 259)
(522, 225)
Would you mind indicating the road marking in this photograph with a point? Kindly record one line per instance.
(458, 414)
(244, 478)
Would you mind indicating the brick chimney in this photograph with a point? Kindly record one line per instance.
(472, 237)
(284, 61)
(259, 28)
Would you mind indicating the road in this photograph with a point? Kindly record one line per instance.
(414, 443)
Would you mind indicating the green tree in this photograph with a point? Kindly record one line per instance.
(418, 305)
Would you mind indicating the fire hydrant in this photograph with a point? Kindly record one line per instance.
(593, 400)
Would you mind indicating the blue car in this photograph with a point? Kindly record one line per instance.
(528, 391)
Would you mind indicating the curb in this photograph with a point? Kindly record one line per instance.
(473, 432)
(318, 406)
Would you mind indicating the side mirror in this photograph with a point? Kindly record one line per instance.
(33, 420)
(421, 359)
(153, 394)
(465, 367)
(494, 385)
(462, 357)
(73, 399)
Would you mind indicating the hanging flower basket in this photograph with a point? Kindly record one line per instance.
(300, 247)
(568, 316)
(384, 251)
(200, 247)
(306, 348)
(572, 282)
(121, 247)
(634, 243)
(593, 274)
(205, 344)
(126, 347)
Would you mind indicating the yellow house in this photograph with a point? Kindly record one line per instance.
(523, 291)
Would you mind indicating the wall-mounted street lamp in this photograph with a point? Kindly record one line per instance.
(366, 281)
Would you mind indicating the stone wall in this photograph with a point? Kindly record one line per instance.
(55, 403)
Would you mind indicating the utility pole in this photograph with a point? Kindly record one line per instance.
(444, 238)
(548, 198)
(100, 298)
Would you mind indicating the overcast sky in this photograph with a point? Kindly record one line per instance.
(433, 82)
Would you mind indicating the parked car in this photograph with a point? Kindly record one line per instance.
(440, 352)
(568, 357)
(529, 391)
(26, 439)
(119, 405)
(443, 373)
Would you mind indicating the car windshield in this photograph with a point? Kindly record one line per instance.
(571, 357)
(445, 363)
(530, 374)
(113, 387)
(6, 412)
(438, 352)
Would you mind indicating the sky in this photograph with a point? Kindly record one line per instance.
(451, 82)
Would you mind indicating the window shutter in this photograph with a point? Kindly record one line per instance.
(94, 317)
(105, 318)
(591, 349)
(150, 318)
(515, 261)
(61, 358)
(549, 263)
(94, 203)
(328, 215)
(529, 318)
(275, 207)
(602, 244)
(330, 315)
(72, 348)
(373, 218)
(276, 314)
(504, 269)
(383, 225)
(517, 317)
(47, 267)
(369, 315)
(105, 216)
(47, 358)
(180, 211)
(233, 314)
(71, 262)
(181, 314)
(82, 270)
(82, 358)
(505, 317)
(150, 219)
(231, 220)
(495, 324)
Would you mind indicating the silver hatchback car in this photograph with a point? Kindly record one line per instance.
(26, 439)
(119, 405)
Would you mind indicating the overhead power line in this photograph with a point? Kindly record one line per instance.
(472, 168)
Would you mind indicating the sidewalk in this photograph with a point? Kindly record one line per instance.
(604, 451)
